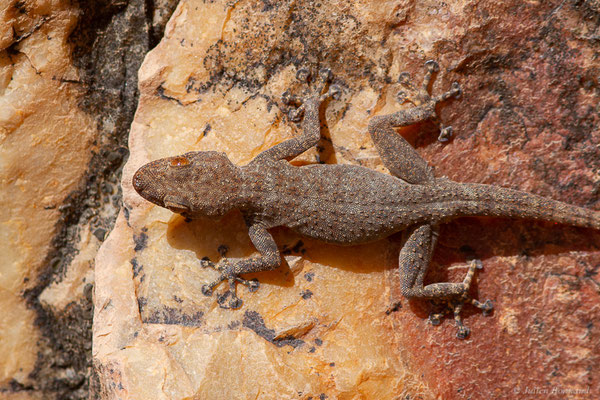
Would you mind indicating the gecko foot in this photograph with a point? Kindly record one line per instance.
(455, 304)
(317, 95)
(229, 298)
(420, 96)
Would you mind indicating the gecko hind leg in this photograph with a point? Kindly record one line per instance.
(227, 299)
(399, 157)
(421, 95)
(414, 260)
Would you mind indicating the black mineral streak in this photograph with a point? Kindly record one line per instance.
(174, 316)
(141, 240)
(253, 321)
(109, 43)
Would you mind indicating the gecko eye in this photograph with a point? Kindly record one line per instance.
(179, 161)
(175, 205)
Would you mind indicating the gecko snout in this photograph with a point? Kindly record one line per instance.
(138, 181)
(142, 183)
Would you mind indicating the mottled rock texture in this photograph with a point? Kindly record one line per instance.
(68, 91)
(318, 327)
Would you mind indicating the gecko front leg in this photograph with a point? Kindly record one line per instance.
(308, 111)
(231, 269)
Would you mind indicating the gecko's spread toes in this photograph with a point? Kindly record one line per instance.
(486, 307)
(229, 300)
(405, 79)
(455, 90)
(253, 285)
(432, 66)
(454, 305)
(336, 92)
(206, 290)
(462, 332)
(445, 134)
(421, 96)
(303, 74)
(205, 263)
(288, 99)
(325, 74)
(317, 94)
(229, 273)
(295, 115)
(436, 318)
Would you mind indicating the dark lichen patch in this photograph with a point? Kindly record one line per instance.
(206, 130)
(108, 388)
(109, 43)
(173, 316)
(253, 321)
(70, 333)
(233, 325)
(309, 276)
(141, 240)
(306, 294)
(271, 35)
(177, 299)
(136, 267)
(142, 303)
(160, 92)
(100, 233)
(552, 66)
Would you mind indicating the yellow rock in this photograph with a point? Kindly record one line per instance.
(155, 334)
(44, 150)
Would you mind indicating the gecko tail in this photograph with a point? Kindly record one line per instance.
(486, 200)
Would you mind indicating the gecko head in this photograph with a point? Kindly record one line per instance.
(195, 184)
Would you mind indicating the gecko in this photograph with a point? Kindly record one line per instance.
(345, 204)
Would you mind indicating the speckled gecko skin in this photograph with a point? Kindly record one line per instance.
(344, 204)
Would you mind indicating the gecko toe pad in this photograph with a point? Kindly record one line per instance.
(229, 300)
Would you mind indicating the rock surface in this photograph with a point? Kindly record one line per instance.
(318, 327)
(45, 142)
(68, 90)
